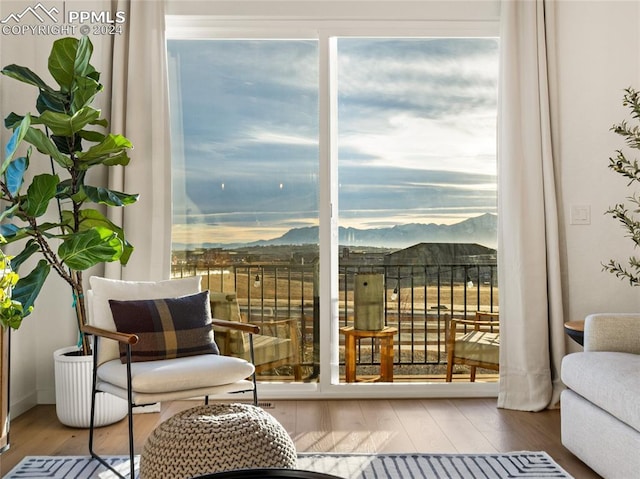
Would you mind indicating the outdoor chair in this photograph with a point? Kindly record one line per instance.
(153, 342)
(474, 343)
(276, 346)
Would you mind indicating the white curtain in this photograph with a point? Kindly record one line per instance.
(531, 313)
(139, 111)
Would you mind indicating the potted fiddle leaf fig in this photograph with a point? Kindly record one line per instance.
(67, 133)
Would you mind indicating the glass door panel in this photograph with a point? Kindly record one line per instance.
(245, 190)
(417, 194)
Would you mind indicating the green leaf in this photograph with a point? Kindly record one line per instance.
(14, 142)
(101, 122)
(64, 189)
(67, 144)
(108, 197)
(40, 192)
(69, 60)
(126, 253)
(64, 125)
(86, 90)
(11, 313)
(14, 174)
(61, 62)
(121, 158)
(45, 227)
(25, 75)
(93, 136)
(44, 145)
(30, 248)
(9, 212)
(28, 287)
(87, 248)
(67, 219)
(81, 65)
(11, 232)
(12, 121)
(52, 101)
(110, 149)
(90, 218)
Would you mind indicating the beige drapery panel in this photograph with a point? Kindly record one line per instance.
(531, 312)
(139, 110)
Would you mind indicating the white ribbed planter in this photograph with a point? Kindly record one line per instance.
(73, 393)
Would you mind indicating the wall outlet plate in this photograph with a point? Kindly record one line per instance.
(580, 215)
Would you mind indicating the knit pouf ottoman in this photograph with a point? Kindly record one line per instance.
(213, 438)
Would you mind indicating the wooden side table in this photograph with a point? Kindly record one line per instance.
(575, 330)
(386, 351)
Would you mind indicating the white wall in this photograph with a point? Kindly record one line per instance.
(339, 9)
(597, 44)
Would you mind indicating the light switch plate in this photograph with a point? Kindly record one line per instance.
(580, 215)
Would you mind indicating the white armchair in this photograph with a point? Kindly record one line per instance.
(154, 342)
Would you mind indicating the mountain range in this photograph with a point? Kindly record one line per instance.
(480, 229)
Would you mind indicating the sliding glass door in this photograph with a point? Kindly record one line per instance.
(417, 193)
(356, 172)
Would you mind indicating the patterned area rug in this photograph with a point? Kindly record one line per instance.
(531, 465)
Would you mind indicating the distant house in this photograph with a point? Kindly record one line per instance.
(462, 261)
(442, 254)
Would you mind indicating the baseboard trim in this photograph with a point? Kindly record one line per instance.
(17, 408)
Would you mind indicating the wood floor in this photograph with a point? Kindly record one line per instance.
(400, 425)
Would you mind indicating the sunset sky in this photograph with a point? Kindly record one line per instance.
(416, 134)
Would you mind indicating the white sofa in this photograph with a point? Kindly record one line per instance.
(600, 409)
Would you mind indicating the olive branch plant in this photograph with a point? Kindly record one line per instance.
(628, 168)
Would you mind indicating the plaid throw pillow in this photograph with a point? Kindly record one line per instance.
(168, 328)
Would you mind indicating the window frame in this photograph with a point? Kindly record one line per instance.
(327, 31)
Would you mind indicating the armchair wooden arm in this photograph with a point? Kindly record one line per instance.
(120, 337)
(133, 338)
(277, 322)
(244, 327)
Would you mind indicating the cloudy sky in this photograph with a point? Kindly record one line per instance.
(416, 134)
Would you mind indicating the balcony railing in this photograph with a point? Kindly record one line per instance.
(418, 300)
